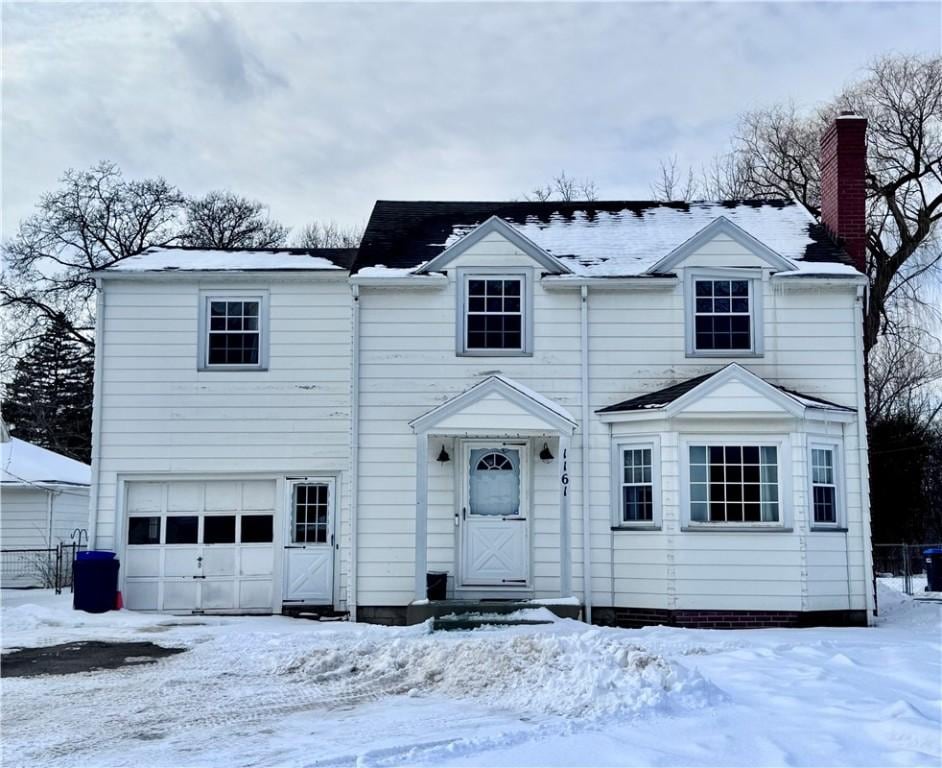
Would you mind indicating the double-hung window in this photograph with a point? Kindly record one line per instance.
(824, 490)
(723, 315)
(493, 314)
(636, 479)
(734, 484)
(233, 331)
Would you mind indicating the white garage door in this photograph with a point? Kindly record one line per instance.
(200, 545)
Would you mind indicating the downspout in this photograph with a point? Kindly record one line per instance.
(96, 412)
(586, 442)
(49, 502)
(354, 454)
(862, 460)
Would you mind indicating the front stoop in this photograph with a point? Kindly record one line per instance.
(468, 614)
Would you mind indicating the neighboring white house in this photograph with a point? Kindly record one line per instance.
(43, 500)
(667, 397)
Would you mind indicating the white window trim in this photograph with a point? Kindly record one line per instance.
(840, 516)
(619, 445)
(464, 274)
(783, 445)
(756, 280)
(205, 297)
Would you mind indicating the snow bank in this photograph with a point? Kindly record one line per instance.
(580, 675)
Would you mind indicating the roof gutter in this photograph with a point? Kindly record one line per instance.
(634, 283)
(400, 281)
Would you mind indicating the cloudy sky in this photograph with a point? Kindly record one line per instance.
(319, 109)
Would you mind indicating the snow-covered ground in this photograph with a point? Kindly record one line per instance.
(278, 691)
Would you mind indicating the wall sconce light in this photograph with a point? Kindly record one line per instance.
(546, 455)
(443, 456)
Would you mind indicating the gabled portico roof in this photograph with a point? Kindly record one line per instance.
(681, 399)
(496, 404)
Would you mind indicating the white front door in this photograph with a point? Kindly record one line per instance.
(494, 521)
(309, 541)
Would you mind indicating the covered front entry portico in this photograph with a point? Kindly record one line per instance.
(507, 445)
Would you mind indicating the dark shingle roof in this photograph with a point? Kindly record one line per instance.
(658, 398)
(403, 234)
(667, 395)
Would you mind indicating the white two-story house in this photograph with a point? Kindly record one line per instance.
(654, 410)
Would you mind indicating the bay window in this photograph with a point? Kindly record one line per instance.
(734, 484)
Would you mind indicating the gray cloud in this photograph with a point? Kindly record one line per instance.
(214, 52)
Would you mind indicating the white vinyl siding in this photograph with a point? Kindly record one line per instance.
(161, 415)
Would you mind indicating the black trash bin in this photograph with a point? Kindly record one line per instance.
(933, 557)
(95, 578)
(436, 585)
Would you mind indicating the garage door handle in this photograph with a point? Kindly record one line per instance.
(199, 577)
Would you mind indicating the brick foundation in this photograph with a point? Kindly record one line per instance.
(708, 619)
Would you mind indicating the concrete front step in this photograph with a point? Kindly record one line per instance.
(418, 612)
(470, 621)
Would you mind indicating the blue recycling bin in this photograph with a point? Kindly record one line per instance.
(95, 580)
(933, 557)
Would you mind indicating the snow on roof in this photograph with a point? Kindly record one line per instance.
(23, 463)
(627, 242)
(218, 260)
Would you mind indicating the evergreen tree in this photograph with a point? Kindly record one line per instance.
(48, 402)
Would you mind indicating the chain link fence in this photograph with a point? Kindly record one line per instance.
(904, 562)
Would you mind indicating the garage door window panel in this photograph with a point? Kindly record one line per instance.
(219, 529)
(257, 529)
(182, 529)
(144, 530)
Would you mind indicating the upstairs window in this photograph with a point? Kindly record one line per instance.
(722, 318)
(494, 318)
(233, 332)
(723, 314)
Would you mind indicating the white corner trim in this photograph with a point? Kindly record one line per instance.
(507, 231)
(721, 226)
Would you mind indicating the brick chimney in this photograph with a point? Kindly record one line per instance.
(843, 195)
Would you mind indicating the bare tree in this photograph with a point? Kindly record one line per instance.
(329, 235)
(905, 371)
(565, 189)
(96, 218)
(223, 219)
(672, 184)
